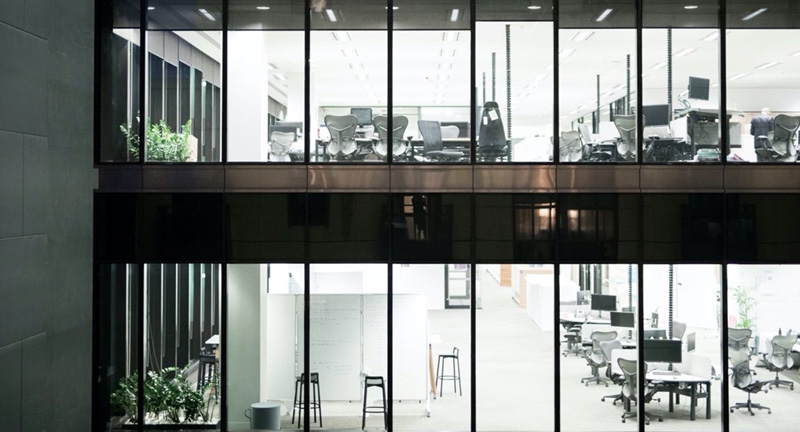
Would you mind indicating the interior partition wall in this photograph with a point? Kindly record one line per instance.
(479, 297)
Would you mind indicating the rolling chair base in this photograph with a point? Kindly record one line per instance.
(777, 383)
(750, 406)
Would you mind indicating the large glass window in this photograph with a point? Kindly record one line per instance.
(597, 305)
(762, 344)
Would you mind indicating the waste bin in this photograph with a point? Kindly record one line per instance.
(264, 415)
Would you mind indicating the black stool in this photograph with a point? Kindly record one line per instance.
(205, 370)
(456, 376)
(316, 399)
(374, 381)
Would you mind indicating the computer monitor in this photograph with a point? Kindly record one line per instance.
(691, 341)
(463, 127)
(662, 351)
(583, 297)
(622, 319)
(364, 115)
(655, 334)
(602, 302)
(656, 115)
(287, 126)
(698, 88)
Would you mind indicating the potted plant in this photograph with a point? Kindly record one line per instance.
(747, 305)
(163, 145)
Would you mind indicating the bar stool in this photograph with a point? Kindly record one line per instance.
(373, 381)
(456, 376)
(206, 367)
(316, 399)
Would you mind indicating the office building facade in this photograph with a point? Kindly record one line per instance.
(370, 202)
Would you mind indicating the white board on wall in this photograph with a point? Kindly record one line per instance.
(278, 347)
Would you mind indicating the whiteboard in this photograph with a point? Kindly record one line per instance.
(410, 340)
(278, 346)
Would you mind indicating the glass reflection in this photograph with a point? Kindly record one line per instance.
(598, 328)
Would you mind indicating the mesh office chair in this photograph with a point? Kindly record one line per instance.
(450, 131)
(738, 338)
(342, 130)
(279, 145)
(781, 147)
(608, 347)
(779, 358)
(626, 147)
(399, 125)
(570, 147)
(678, 329)
(596, 358)
(595, 151)
(742, 379)
(433, 149)
(629, 391)
(492, 144)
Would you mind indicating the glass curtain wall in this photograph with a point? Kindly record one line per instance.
(597, 81)
(761, 63)
(183, 82)
(598, 328)
(514, 77)
(266, 82)
(431, 85)
(182, 343)
(349, 64)
(680, 62)
(682, 348)
(265, 335)
(119, 82)
(762, 344)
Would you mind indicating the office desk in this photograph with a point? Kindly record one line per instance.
(692, 386)
(572, 319)
(460, 143)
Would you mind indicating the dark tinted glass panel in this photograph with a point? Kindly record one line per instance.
(156, 77)
(126, 13)
(262, 15)
(116, 334)
(680, 227)
(596, 13)
(263, 227)
(669, 13)
(760, 227)
(514, 10)
(514, 227)
(184, 15)
(598, 227)
(171, 95)
(115, 227)
(431, 227)
(762, 14)
(439, 15)
(182, 227)
(348, 14)
(119, 94)
(348, 227)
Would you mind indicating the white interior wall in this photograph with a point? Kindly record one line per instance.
(777, 295)
(427, 279)
(695, 294)
(248, 87)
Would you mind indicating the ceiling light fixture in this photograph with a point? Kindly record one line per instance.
(658, 66)
(753, 14)
(534, 7)
(767, 65)
(280, 77)
(207, 15)
(711, 36)
(271, 66)
(350, 53)
(393, 7)
(331, 15)
(737, 76)
(581, 36)
(445, 66)
(262, 8)
(454, 15)
(566, 52)
(684, 52)
(361, 76)
(447, 53)
(449, 36)
(151, 8)
(603, 15)
(690, 7)
(357, 66)
(342, 36)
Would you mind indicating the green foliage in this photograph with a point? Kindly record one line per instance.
(747, 305)
(163, 145)
(124, 397)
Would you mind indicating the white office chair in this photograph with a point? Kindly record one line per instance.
(279, 145)
(449, 132)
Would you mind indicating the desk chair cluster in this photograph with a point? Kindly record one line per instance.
(780, 147)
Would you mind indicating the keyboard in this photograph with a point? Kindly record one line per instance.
(666, 372)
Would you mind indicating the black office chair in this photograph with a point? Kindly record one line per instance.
(342, 130)
(399, 147)
(781, 147)
(629, 391)
(596, 358)
(778, 358)
(492, 144)
(572, 336)
(608, 347)
(596, 151)
(626, 147)
(570, 147)
(742, 379)
(433, 148)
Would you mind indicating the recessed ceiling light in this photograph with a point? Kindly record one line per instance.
(393, 7)
(361, 76)
(331, 15)
(715, 85)
(711, 36)
(684, 52)
(767, 65)
(534, 7)
(737, 76)
(797, 54)
(280, 77)
(566, 52)
(357, 66)
(350, 52)
(754, 14)
(447, 53)
(271, 66)
(342, 36)
(450, 36)
(262, 7)
(690, 7)
(445, 66)
(454, 15)
(151, 8)
(206, 14)
(582, 36)
(603, 15)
